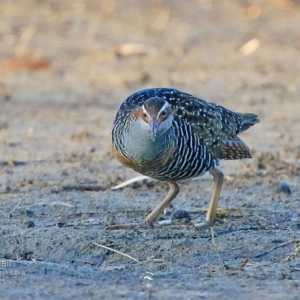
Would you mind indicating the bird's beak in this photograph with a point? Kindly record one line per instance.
(154, 124)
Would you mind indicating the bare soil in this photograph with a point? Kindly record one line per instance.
(65, 68)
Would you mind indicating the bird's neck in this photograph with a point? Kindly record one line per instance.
(139, 145)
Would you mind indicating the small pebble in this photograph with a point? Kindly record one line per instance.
(283, 187)
(29, 224)
(295, 217)
(181, 214)
(165, 222)
(55, 190)
(261, 166)
(61, 224)
(29, 213)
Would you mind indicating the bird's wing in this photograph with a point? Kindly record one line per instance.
(216, 126)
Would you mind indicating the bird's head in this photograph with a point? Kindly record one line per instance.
(155, 115)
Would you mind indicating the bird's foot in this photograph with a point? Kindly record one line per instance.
(179, 219)
(207, 224)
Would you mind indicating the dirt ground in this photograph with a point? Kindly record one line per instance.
(65, 68)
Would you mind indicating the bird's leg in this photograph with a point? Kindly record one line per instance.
(173, 192)
(212, 209)
(151, 218)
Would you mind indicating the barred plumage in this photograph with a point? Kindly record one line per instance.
(170, 135)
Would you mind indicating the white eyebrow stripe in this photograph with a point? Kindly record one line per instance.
(165, 106)
(145, 111)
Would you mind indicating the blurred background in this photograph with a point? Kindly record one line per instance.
(67, 65)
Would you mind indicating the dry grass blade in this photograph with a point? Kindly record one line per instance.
(116, 251)
(274, 248)
(12, 211)
(293, 254)
(212, 230)
(130, 181)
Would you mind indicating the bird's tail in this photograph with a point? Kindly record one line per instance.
(248, 120)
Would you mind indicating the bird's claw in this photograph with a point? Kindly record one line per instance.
(207, 224)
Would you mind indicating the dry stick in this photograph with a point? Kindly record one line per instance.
(133, 180)
(116, 251)
(130, 181)
(276, 247)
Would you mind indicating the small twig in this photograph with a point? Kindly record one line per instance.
(293, 254)
(141, 178)
(216, 248)
(274, 248)
(153, 259)
(137, 250)
(262, 218)
(243, 264)
(116, 251)
(11, 213)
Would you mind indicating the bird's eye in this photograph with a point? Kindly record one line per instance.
(145, 115)
(164, 113)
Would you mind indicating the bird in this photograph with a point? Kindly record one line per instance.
(170, 136)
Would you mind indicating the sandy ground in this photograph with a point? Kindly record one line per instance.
(65, 68)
